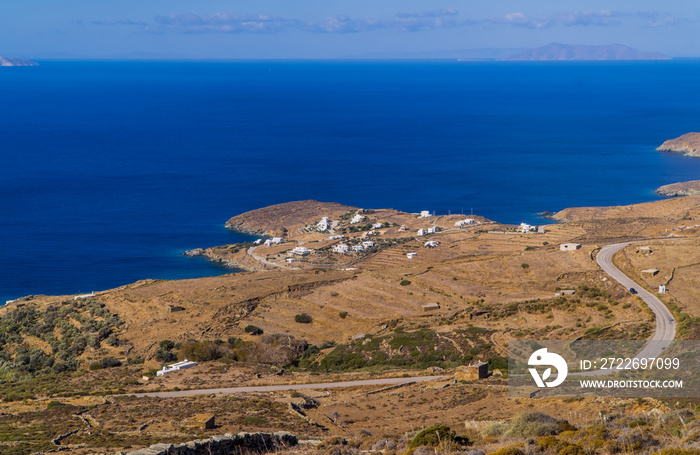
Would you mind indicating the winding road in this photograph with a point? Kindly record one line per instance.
(665, 323)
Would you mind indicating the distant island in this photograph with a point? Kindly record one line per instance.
(691, 188)
(4, 61)
(557, 51)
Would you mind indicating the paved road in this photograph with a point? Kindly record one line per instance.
(265, 261)
(665, 324)
(276, 388)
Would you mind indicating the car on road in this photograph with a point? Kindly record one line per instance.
(633, 291)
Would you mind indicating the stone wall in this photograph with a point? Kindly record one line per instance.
(223, 445)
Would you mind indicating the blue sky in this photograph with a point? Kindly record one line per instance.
(332, 28)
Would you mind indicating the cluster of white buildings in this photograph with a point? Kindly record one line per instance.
(430, 230)
(465, 222)
(336, 237)
(425, 214)
(343, 248)
(273, 241)
(431, 244)
(527, 228)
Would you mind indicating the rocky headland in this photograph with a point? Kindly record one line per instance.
(691, 188)
(16, 62)
(688, 144)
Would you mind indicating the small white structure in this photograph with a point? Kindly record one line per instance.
(277, 240)
(432, 229)
(358, 248)
(377, 225)
(175, 367)
(357, 218)
(268, 242)
(540, 229)
(425, 213)
(368, 244)
(341, 248)
(84, 296)
(421, 232)
(411, 255)
(662, 289)
(645, 250)
(301, 251)
(431, 244)
(403, 228)
(290, 260)
(464, 222)
(650, 272)
(369, 234)
(324, 224)
(336, 237)
(569, 246)
(258, 242)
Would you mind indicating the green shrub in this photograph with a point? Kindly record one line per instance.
(343, 314)
(251, 329)
(303, 318)
(532, 424)
(55, 405)
(110, 362)
(404, 283)
(525, 266)
(95, 366)
(167, 345)
(436, 435)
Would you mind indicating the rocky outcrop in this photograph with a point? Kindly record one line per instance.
(680, 189)
(223, 445)
(688, 144)
(16, 62)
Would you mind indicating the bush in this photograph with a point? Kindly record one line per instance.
(55, 405)
(436, 435)
(253, 330)
(532, 424)
(164, 356)
(404, 283)
(110, 362)
(303, 318)
(95, 366)
(343, 314)
(525, 266)
(167, 345)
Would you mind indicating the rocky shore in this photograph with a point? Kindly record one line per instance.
(691, 188)
(688, 144)
(221, 445)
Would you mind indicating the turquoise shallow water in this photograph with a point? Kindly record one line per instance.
(111, 169)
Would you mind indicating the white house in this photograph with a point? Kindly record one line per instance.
(175, 367)
(540, 229)
(377, 225)
(300, 250)
(258, 242)
(341, 248)
(569, 246)
(336, 237)
(277, 240)
(432, 229)
(421, 232)
(268, 242)
(403, 228)
(432, 244)
(411, 255)
(525, 228)
(662, 289)
(290, 260)
(464, 222)
(368, 244)
(357, 218)
(324, 224)
(358, 248)
(425, 213)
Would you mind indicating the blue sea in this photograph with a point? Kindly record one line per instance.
(110, 170)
